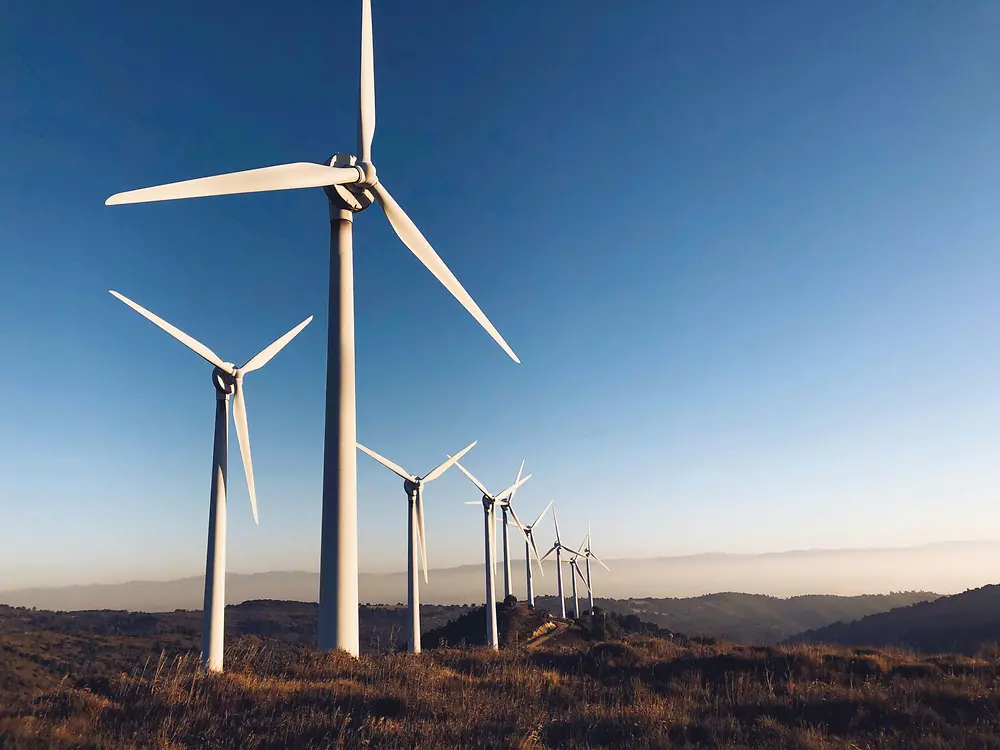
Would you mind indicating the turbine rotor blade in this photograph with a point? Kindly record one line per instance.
(281, 177)
(513, 487)
(518, 479)
(394, 468)
(265, 355)
(441, 469)
(535, 522)
(196, 346)
(517, 521)
(421, 248)
(582, 576)
(366, 98)
(600, 561)
(421, 530)
(541, 570)
(243, 436)
(551, 550)
(475, 481)
(555, 520)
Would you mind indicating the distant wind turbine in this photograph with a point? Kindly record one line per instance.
(589, 553)
(574, 567)
(351, 185)
(558, 547)
(507, 509)
(414, 487)
(489, 502)
(529, 547)
(228, 381)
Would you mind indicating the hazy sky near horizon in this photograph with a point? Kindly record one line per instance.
(747, 254)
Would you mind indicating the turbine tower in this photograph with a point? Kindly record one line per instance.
(351, 185)
(507, 509)
(529, 547)
(414, 487)
(589, 553)
(489, 516)
(228, 381)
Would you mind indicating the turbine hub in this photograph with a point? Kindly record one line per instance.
(410, 487)
(224, 382)
(356, 196)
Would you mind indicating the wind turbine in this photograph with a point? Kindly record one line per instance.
(574, 566)
(589, 553)
(228, 381)
(351, 185)
(558, 547)
(489, 514)
(529, 547)
(414, 487)
(506, 508)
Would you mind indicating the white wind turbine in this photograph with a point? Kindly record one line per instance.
(529, 547)
(574, 566)
(507, 509)
(414, 487)
(489, 513)
(558, 547)
(589, 553)
(351, 185)
(228, 381)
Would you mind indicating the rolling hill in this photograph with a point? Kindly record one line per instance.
(963, 623)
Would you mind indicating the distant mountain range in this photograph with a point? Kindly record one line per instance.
(944, 568)
(962, 623)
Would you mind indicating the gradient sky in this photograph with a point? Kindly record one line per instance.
(747, 253)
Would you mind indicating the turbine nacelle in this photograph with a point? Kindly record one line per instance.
(224, 379)
(354, 196)
(412, 485)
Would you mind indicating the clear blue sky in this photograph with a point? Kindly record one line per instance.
(747, 253)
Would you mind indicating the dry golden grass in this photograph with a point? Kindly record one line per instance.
(645, 693)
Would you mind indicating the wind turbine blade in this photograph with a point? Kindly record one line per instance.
(420, 247)
(517, 521)
(518, 479)
(474, 502)
(555, 520)
(422, 531)
(366, 99)
(513, 487)
(600, 561)
(447, 464)
(388, 464)
(243, 436)
(196, 346)
(551, 550)
(281, 177)
(265, 355)
(535, 522)
(541, 570)
(582, 576)
(475, 481)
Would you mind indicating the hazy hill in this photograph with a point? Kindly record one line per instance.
(945, 568)
(752, 618)
(960, 623)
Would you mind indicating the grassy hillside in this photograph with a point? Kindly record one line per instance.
(752, 618)
(963, 623)
(637, 692)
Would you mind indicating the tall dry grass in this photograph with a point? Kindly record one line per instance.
(647, 693)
